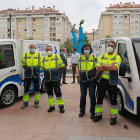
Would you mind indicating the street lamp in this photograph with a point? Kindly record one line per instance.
(10, 12)
(13, 31)
(93, 30)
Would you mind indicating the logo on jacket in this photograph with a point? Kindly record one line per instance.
(55, 50)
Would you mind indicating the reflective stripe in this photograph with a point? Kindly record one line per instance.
(113, 111)
(99, 114)
(27, 93)
(113, 116)
(99, 105)
(58, 98)
(82, 70)
(50, 96)
(82, 60)
(37, 93)
(104, 57)
(118, 64)
(60, 105)
(114, 57)
(99, 63)
(105, 73)
(114, 106)
(44, 61)
(52, 106)
(56, 60)
(23, 62)
(61, 64)
(26, 102)
(36, 102)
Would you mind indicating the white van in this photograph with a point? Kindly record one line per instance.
(12, 74)
(128, 95)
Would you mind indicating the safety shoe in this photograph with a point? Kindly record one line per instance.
(97, 118)
(112, 121)
(64, 83)
(92, 116)
(51, 109)
(62, 110)
(81, 114)
(24, 105)
(37, 105)
(73, 82)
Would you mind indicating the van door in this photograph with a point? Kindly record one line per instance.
(8, 65)
(126, 82)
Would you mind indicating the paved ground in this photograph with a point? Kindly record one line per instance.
(38, 124)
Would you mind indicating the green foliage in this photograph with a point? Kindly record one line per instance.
(29, 38)
(86, 41)
(107, 36)
(68, 45)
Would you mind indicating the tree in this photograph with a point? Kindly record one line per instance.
(29, 38)
(107, 36)
(68, 45)
(85, 41)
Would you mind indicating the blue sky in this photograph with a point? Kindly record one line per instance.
(89, 10)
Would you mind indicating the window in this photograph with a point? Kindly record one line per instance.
(24, 25)
(132, 27)
(33, 19)
(19, 20)
(34, 35)
(25, 30)
(122, 51)
(46, 19)
(19, 30)
(13, 20)
(59, 40)
(19, 25)
(39, 19)
(126, 16)
(19, 35)
(8, 35)
(126, 27)
(34, 25)
(136, 21)
(58, 24)
(126, 32)
(39, 30)
(39, 35)
(24, 35)
(29, 19)
(25, 20)
(126, 22)
(7, 56)
(29, 25)
(39, 25)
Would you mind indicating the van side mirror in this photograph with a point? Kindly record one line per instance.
(122, 71)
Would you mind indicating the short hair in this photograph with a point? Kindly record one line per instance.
(113, 43)
(63, 48)
(84, 46)
(74, 49)
(47, 47)
(33, 44)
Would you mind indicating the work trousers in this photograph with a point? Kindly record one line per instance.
(54, 85)
(27, 84)
(102, 87)
(73, 72)
(63, 72)
(91, 85)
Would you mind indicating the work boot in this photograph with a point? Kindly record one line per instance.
(64, 83)
(62, 109)
(81, 114)
(112, 121)
(24, 105)
(37, 105)
(73, 82)
(51, 109)
(97, 118)
(92, 116)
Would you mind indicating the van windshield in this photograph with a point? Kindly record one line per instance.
(136, 46)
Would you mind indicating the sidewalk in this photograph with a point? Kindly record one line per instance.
(38, 124)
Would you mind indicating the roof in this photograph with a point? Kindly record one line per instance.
(29, 11)
(125, 5)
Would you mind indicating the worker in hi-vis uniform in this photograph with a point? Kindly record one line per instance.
(51, 65)
(31, 62)
(108, 66)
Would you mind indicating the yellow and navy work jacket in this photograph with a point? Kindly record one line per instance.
(50, 66)
(106, 59)
(87, 67)
(32, 62)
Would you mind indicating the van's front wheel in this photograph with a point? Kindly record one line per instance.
(8, 96)
(120, 104)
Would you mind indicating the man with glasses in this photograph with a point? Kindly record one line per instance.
(31, 62)
(108, 66)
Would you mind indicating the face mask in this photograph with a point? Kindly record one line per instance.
(49, 52)
(72, 52)
(109, 49)
(86, 52)
(32, 50)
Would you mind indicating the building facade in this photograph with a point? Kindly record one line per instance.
(121, 20)
(43, 24)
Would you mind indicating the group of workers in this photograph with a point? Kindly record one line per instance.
(92, 73)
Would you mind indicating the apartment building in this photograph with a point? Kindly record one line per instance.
(120, 20)
(42, 24)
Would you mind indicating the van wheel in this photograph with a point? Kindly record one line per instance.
(43, 87)
(120, 104)
(8, 96)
